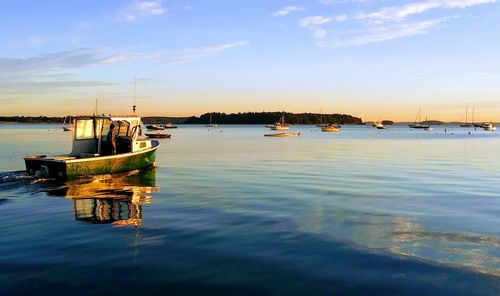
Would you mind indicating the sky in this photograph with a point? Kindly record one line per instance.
(376, 59)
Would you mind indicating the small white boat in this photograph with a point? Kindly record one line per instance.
(429, 129)
(330, 128)
(281, 125)
(169, 125)
(210, 124)
(379, 125)
(68, 125)
(155, 127)
(488, 126)
(283, 135)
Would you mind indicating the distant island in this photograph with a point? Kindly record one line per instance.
(220, 118)
(31, 119)
(272, 117)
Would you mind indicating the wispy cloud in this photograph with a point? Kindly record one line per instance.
(386, 23)
(287, 10)
(142, 9)
(401, 12)
(21, 76)
(315, 24)
(384, 33)
(194, 54)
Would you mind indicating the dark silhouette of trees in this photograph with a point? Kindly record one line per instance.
(272, 117)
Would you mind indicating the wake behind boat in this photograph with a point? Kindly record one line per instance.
(92, 152)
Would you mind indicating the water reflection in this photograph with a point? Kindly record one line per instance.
(115, 199)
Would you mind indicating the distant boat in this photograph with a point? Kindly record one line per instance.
(169, 125)
(379, 125)
(155, 127)
(68, 128)
(321, 124)
(488, 126)
(68, 125)
(429, 129)
(418, 123)
(282, 135)
(210, 124)
(466, 124)
(330, 128)
(281, 125)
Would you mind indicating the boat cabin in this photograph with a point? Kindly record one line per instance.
(91, 139)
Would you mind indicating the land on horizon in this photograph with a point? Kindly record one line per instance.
(233, 118)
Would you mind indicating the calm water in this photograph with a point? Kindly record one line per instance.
(228, 211)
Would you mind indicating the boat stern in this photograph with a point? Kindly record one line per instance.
(43, 166)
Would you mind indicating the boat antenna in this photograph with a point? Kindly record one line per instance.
(95, 108)
(135, 85)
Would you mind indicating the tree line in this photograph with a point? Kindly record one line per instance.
(272, 117)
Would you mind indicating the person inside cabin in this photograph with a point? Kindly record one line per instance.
(111, 138)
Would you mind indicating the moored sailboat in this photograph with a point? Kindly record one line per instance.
(210, 124)
(467, 124)
(68, 127)
(419, 124)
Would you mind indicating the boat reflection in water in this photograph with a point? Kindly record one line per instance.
(115, 199)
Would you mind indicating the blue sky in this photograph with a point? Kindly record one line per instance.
(364, 57)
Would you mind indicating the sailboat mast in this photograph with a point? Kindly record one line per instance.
(419, 114)
(466, 112)
(473, 115)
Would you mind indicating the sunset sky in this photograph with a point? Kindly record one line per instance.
(370, 58)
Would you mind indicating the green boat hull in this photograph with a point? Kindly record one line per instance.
(73, 168)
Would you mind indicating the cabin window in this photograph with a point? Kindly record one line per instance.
(84, 129)
(123, 129)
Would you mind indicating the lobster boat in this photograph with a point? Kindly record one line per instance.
(92, 152)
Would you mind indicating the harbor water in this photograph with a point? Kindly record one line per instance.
(230, 212)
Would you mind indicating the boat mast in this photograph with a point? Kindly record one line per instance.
(135, 85)
(473, 115)
(95, 108)
(466, 112)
